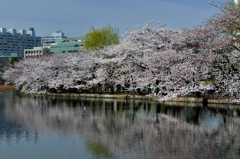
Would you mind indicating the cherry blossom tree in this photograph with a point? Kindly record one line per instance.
(36, 74)
(228, 21)
(166, 62)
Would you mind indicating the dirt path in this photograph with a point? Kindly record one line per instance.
(2, 87)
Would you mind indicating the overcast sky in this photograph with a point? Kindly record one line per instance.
(74, 17)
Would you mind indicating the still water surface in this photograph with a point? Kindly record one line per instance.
(63, 128)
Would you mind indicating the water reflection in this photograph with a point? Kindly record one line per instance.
(126, 129)
(10, 131)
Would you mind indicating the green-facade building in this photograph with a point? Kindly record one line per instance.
(66, 45)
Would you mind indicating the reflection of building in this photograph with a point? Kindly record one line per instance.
(13, 42)
(67, 45)
(36, 52)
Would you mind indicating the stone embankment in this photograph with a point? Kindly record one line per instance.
(87, 95)
(187, 100)
(180, 101)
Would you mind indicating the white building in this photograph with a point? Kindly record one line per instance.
(48, 40)
(15, 42)
(36, 52)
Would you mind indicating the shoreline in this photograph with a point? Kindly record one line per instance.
(183, 101)
(3, 87)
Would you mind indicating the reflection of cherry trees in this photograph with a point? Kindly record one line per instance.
(126, 128)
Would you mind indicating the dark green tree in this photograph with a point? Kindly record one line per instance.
(15, 59)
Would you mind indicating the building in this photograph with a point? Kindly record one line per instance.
(36, 52)
(48, 40)
(67, 45)
(15, 42)
(5, 60)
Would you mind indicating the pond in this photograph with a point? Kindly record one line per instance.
(73, 128)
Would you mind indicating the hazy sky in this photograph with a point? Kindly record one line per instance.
(74, 17)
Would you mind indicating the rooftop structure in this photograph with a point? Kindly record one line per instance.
(15, 42)
(48, 40)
